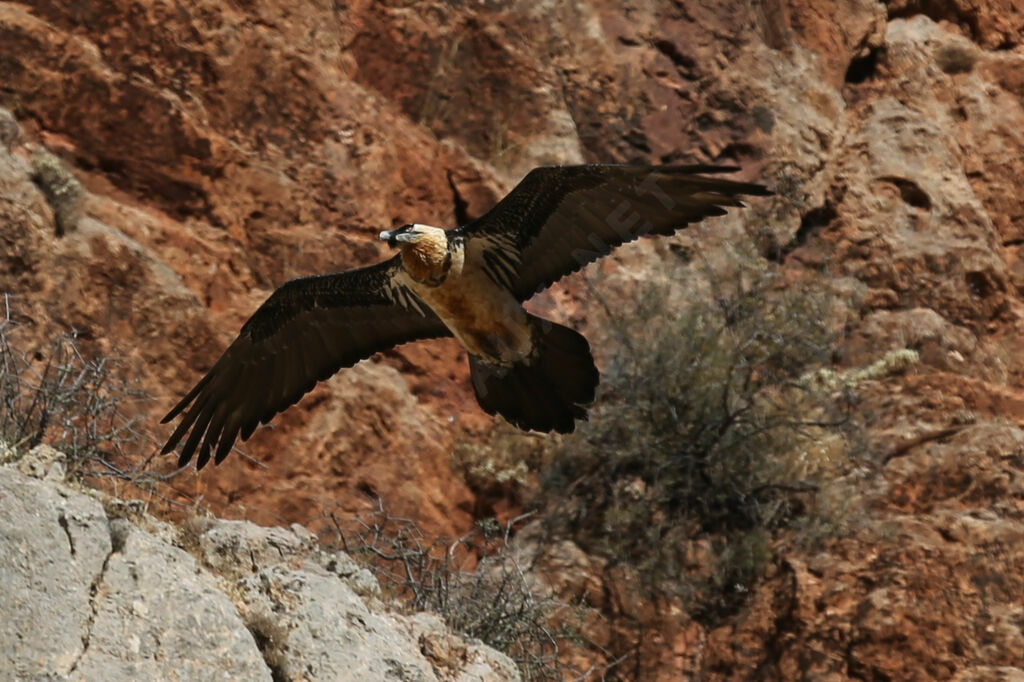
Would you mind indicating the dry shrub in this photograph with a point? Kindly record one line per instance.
(56, 395)
(475, 583)
(705, 441)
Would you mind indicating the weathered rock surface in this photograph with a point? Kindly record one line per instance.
(227, 147)
(55, 548)
(933, 573)
(88, 596)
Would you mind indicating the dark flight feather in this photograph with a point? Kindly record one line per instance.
(560, 218)
(303, 333)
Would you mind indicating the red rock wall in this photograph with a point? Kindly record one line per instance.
(227, 147)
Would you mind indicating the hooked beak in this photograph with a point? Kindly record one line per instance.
(393, 237)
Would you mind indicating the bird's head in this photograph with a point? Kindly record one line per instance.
(412, 234)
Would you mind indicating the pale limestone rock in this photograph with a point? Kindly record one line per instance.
(89, 597)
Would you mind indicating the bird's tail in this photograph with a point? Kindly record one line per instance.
(547, 391)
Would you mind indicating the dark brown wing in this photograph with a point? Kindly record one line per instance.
(560, 218)
(306, 331)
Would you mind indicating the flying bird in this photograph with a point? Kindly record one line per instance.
(469, 282)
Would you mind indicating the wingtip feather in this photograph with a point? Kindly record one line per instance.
(204, 455)
(225, 445)
(189, 397)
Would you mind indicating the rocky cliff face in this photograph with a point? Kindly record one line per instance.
(95, 589)
(222, 148)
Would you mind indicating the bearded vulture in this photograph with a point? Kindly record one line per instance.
(468, 282)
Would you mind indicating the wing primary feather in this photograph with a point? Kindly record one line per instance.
(204, 454)
(189, 397)
(226, 441)
(248, 428)
(213, 434)
(252, 389)
(186, 422)
(198, 429)
(183, 459)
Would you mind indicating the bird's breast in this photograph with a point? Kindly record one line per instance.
(486, 318)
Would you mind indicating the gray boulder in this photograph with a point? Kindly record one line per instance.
(96, 590)
(93, 598)
(158, 616)
(54, 544)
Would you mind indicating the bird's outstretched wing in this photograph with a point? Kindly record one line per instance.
(306, 331)
(560, 218)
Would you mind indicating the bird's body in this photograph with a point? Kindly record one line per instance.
(469, 282)
(484, 316)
